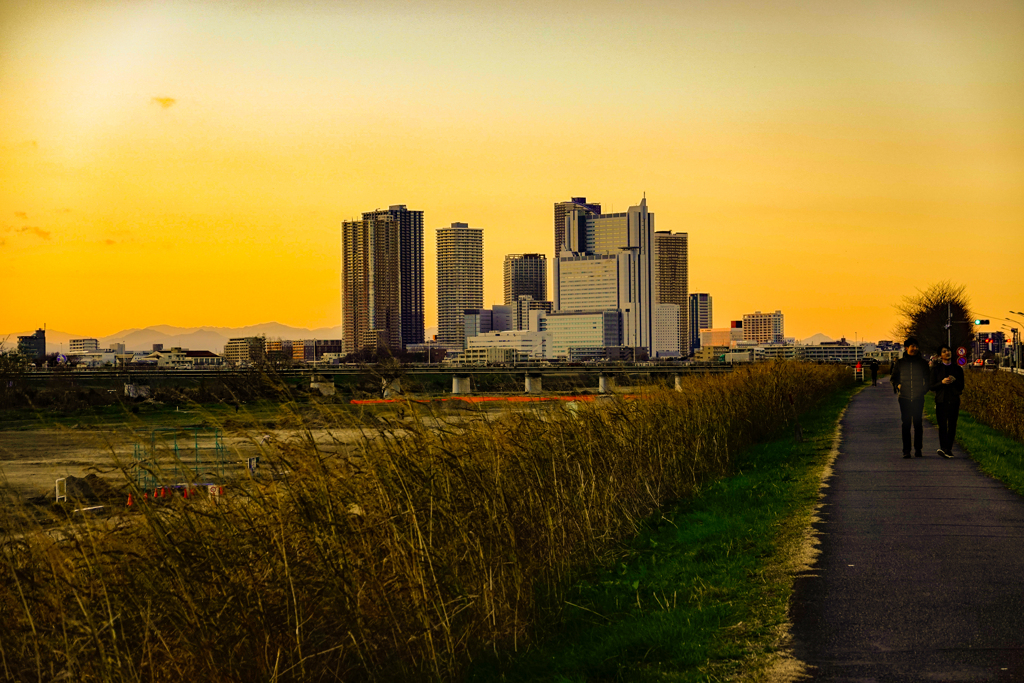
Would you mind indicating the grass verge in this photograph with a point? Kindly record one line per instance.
(701, 593)
(998, 455)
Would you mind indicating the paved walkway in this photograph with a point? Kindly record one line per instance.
(921, 574)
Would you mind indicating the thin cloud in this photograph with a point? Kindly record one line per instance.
(21, 214)
(165, 102)
(38, 232)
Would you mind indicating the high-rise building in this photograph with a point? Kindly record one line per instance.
(562, 209)
(410, 268)
(673, 280)
(700, 317)
(521, 311)
(763, 328)
(526, 275)
(33, 346)
(460, 280)
(371, 283)
(77, 346)
(607, 262)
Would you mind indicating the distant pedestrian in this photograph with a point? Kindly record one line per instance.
(948, 384)
(911, 377)
(874, 372)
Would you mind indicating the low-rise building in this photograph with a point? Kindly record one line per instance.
(722, 336)
(79, 346)
(33, 346)
(199, 360)
(243, 350)
(491, 355)
(832, 352)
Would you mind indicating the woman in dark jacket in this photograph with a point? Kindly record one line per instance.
(948, 384)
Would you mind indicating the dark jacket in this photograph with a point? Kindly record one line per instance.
(947, 393)
(912, 375)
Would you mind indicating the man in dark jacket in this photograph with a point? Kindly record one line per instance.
(911, 378)
(948, 384)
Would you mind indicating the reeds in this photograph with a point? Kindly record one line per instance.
(397, 557)
(995, 399)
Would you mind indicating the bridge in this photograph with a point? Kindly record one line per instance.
(533, 373)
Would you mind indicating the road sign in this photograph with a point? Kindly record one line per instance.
(961, 361)
(961, 352)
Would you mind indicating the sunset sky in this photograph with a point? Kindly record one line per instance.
(190, 163)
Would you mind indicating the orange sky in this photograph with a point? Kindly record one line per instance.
(190, 163)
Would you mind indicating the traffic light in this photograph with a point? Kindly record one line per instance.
(981, 322)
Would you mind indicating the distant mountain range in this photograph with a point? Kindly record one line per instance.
(195, 338)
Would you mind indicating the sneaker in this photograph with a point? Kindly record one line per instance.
(906, 456)
(918, 454)
(945, 454)
(940, 452)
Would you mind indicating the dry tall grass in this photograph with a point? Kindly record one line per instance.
(995, 399)
(424, 543)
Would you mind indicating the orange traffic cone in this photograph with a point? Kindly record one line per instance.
(184, 492)
(130, 501)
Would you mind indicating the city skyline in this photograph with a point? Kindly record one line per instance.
(209, 152)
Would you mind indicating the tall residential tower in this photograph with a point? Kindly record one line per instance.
(673, 280)
(460, 280)
(371, 283)
(410, 268)
(525, 274)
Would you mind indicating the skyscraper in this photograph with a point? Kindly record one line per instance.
(371, 283)
(701, 317)
(607, 261)
(673, 279)
(460, 280)
(526, 274)
(562, 209)
(410, 265)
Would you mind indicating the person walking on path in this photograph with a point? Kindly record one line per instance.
(912, 379)
(874, 372)
(948, 384)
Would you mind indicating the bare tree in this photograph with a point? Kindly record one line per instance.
(937, 315)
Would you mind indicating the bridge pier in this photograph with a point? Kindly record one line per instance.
(679, 382)
(605, 384)
(534, 384)
(460, 384)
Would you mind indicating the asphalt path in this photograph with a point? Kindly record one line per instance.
(921, 571)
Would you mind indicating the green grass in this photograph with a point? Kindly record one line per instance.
(702, 592)
(998, 455)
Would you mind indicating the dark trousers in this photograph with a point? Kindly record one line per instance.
(911, 410)
(947, 413)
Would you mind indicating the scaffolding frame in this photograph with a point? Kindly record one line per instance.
(190, 461)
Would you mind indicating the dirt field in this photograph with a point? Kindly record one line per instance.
(32, 460)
